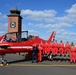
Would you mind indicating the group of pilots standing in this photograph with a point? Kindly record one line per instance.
(55, 48)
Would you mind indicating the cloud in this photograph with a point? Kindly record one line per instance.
(36, 25)
(50, 16)
(2, 16)
(70, 17)
(72, 10)
(58, 25)
(72, 34)
(33, 32)
(45, 15)
(72, 13)
(52, 26)
(3, 25)
(3, 28)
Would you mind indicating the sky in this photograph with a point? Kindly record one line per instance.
(42, 17)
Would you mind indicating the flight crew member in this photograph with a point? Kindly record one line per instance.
(40, 52)
(61, 48)
(51, 46)
(35, 53)
(73, 55)
(50, 50)
(67, 48)
(55, 47)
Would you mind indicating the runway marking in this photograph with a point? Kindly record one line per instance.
(54, 65)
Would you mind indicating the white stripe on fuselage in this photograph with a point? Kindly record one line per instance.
(20, 47)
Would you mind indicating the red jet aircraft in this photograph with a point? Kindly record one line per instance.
(22, 42)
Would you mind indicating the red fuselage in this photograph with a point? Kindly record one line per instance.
(17, 47)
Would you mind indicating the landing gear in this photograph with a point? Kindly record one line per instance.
(4, 62)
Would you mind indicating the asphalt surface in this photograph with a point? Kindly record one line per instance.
(19, 66)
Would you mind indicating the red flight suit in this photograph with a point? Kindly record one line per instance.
(67, 49)
(40, 53)
(73, 55)
(61, 48)
(55, 48)
(51, 47)
(42, 45)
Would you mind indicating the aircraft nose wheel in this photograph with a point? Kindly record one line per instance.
(4, 62)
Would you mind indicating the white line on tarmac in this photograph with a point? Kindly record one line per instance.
(42, 65)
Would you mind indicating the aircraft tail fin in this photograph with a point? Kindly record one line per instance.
(52, 37)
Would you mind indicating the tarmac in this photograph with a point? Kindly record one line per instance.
(18, 65)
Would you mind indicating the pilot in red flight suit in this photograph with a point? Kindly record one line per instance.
(51, 47)
(61, 48)
(50, 50)
(55, 47)
(67, 48)
(73, 55)
(40, 52)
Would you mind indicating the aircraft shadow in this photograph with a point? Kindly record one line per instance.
(18, 61)
(43, 59)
